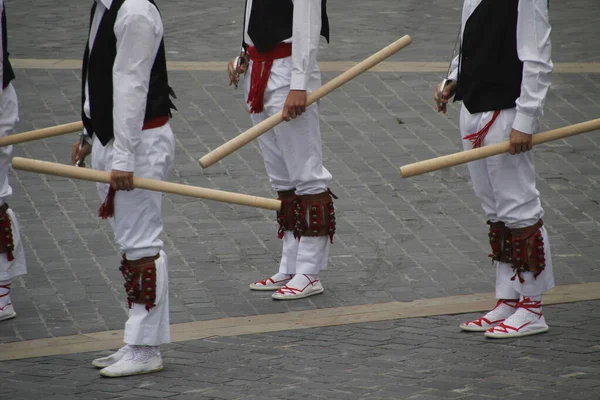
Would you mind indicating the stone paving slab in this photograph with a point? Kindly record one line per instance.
(417, 359)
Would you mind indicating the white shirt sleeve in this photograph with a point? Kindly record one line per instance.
(453, 75)
(468, 7)
(305, 41)
(138, 38)
(534, 50)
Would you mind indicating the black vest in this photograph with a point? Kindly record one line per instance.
(490, 72)
(271, 22)
(97, 70)
(7, 72)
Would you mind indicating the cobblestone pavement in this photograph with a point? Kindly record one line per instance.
(209, 30)
(398, 239)
(420, 359)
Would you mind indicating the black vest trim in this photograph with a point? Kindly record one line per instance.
(490, 72)
(8, 74)
(271, 22)
(97, 71)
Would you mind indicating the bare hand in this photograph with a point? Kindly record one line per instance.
(448, 93)
(78, 154)
(121, 180)
(234, 76)
(520, 142)
(295, 104)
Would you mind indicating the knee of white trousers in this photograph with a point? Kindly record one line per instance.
(18, 266)
(535, 286)
(136, 254)
(504, 286)
(151, 328)
(313, 254)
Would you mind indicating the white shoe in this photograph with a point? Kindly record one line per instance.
(6, 308)
(502, 310)
(113, 358)
(288, 292)
(7, 312)
(140, 360)
(527, 320)
(275, 282)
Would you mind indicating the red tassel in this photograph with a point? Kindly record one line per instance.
(478, 137)
(261, 71)
(518, 274)
(107, 209)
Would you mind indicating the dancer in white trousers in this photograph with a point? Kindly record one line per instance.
(502, 77)
(280, 46)
(12, 256)
(126, 110)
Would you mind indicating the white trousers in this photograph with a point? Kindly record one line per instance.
(505, 184)
(9, 116)
(293, 156)
(137, 225)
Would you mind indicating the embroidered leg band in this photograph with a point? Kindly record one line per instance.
(528, 250)
(315, 215)
(285, 216)
(140, 280)
(500, 241)
(7, 244)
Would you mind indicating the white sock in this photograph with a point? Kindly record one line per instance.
(281, 277)
(143, 353)
(300, 281)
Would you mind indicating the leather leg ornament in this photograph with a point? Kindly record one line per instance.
(315, 215)
(7, 244)
(528, 250)
(285, 216)
(500, 241)
(140, 280)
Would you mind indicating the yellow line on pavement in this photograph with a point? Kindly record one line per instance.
(326, 66)
(290, 321)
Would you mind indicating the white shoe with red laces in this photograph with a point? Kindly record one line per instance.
(527, 320)
(308, 287)
(502, 310)
(275, 282)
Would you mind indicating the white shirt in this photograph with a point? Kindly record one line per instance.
(534, 50)
(139, 32)
(306, 33)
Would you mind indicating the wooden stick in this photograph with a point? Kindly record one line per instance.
(451, 160)
(41, 133)
(68, 171)
(241, 140)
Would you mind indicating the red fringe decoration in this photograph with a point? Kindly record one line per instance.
(478, 137)
(261, 71)
(107, 209)
(258, 84)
